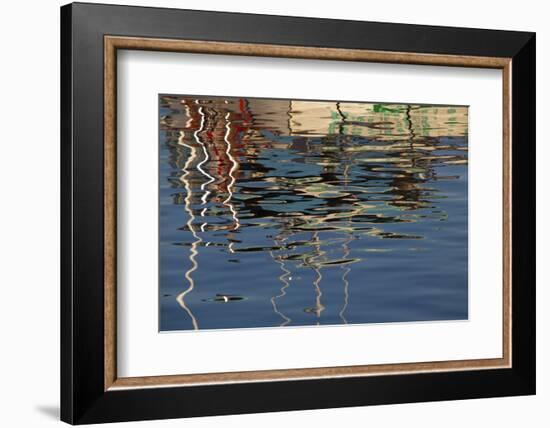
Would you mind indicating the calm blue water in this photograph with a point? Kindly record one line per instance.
(291, 213)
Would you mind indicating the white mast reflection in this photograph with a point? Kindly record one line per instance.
(346, 268)
(231, 184)
(316, 283)
(198, 240)
(284, 279)
(211, 179)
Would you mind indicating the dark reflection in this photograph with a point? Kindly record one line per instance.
(303, 212)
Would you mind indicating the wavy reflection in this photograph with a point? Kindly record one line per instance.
(284, 278)
(274, 192)
(193, 250)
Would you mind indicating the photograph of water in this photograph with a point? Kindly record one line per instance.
(288, 213)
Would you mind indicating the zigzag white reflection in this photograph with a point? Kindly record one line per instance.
(204, 199)
(346, 270)
(198, 240)
(316, 283)
(234, 165)
(346, 248)
(201, 163)
(283, 279)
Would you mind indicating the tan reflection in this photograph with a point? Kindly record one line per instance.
(386, 122)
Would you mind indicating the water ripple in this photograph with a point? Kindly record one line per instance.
(307, 189)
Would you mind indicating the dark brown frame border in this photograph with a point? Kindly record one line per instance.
(114, 43)
(84, 397)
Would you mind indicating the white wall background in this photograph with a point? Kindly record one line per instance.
(29, 214)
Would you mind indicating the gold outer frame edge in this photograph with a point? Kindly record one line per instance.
(113, 43)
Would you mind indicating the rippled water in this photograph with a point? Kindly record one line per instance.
(291, 213)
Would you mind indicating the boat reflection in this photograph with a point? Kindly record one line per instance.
(301, 182)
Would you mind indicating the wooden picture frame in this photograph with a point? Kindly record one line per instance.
(91, 390)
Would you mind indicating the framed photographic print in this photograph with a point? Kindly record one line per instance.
(265, 213)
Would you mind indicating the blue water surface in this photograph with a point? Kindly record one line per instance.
(264, 225)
